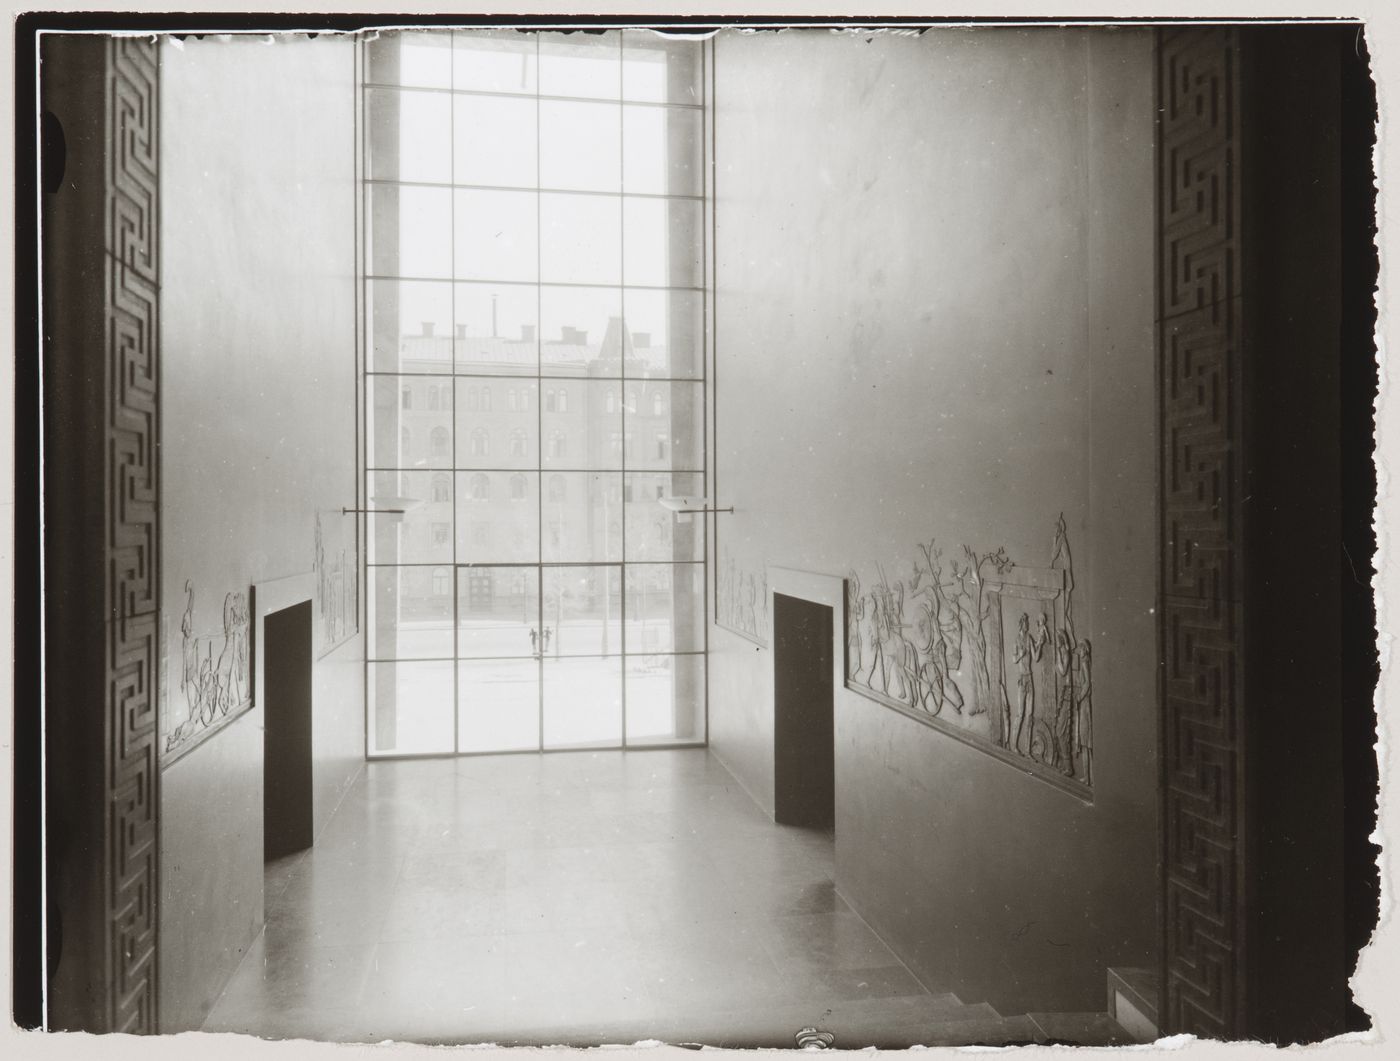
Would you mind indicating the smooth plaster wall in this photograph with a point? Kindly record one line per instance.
(259, 432)
(934, 298)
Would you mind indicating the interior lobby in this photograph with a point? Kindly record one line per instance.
(753, 539)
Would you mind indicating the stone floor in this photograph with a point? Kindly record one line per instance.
(578, 898)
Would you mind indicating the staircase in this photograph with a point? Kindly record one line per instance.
(944, 1020)
(890, 1023)
(1132, 1002)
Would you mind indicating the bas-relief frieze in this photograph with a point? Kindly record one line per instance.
(215, 685)
(981, 647)
(336, 566)
(741, 600)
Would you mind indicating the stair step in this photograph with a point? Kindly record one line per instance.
(1132, 1001)
(979, 1031)
(894, 1022)
(854, 1022)
(1081, 1029)
(895, 1010)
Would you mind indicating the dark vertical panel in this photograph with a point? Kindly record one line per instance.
(804, 766)
(100, 279)
(1252, 315)
(288, 818)
(1295, 977)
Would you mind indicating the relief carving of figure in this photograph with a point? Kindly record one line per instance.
(233, 660)
(206, 699)
(189, 651)
(974, 609)
(1026, 653)
(911, 664)
(875, 638)
(762, 628)
(890, 639)
(855, 607)
(1084, 710)
(1064, 750)
(935, 683)
(749, 618)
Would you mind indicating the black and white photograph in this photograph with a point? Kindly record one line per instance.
(802, 534)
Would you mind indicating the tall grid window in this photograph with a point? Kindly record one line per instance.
(534, 251)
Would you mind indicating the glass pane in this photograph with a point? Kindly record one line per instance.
(581, 517)
(497, 612)
(582, 702)
(496, 328)
(655, 532)
(667, 330)
(665, 699)
(581, 64)
(493, 60)
(400, 58)
(410, 422)
(411, 708)
(498, 517)
(495, 235)
(410, 326)
(494, 141)
(581, 329)
(665, 608)
(580, 239)
(659, 70)
(580, 146)
(580, 423)
(409, 135)
(423, 534)
(662, 242)
(410, 231)
(498, 705)
(582, 611)
(663, 151)
(666, 422)
(410, 613)
(496, 422)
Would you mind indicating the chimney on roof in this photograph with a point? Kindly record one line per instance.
(569, 334)
(641, 340)
(461, 331)
(527, 333)
(428, 327)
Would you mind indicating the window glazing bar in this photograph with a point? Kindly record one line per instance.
(440, 90)
(528, 283)
(595, 192)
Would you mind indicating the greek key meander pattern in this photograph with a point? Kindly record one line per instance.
(1199, 336)
(131, 275)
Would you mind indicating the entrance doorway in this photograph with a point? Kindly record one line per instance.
(535, 381)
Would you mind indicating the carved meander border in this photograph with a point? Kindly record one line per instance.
(131, 262)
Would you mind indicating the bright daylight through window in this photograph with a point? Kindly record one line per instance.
(534, 291)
